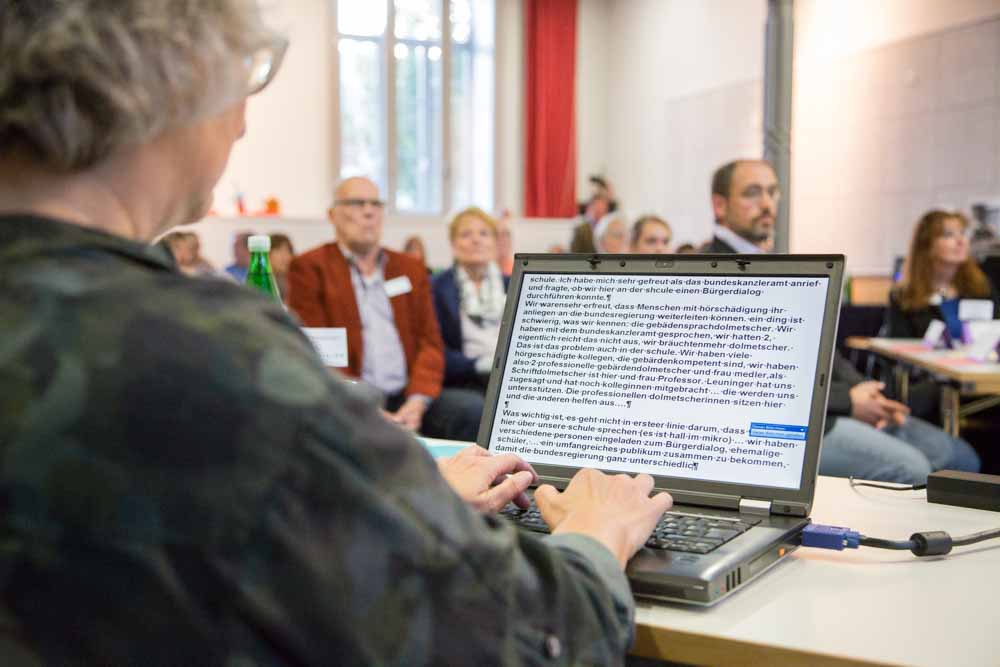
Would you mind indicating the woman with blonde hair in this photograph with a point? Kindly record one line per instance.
(940, 272)
(651, 235)
(469, 299)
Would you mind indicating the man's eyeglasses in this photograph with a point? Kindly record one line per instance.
(263, 64)
(359, 203)
(756, 192)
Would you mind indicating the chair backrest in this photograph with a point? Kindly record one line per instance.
(991, 267)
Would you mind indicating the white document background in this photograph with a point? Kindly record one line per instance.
(663, 374)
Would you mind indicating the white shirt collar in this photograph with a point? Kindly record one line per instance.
(352, 258)
(737, 242)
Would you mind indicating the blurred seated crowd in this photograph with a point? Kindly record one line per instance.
(425, 338)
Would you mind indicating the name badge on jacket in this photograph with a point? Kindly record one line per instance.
(397, 286)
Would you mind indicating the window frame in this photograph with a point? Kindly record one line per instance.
(387, 93)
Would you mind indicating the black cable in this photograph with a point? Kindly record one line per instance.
(907, 487)
(929, 543)
(976, 537)
(878, 543)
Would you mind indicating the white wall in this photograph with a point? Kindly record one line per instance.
(706, 53)
(287, 148)
(510, 106)
(896, 111)
(832, 29)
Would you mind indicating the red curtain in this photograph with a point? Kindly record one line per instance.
(550, 124)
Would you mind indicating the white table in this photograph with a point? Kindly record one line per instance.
(853, 607)
(865, 606)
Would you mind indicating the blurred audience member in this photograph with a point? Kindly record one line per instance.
(651, 235)
(686, 249)
(745, 196)
(600, 203)
(199, 265)
(505, 243)
(186, 249)
(611, 234)
(469, 300)
(867, 435)
(414, 247)
(241, 258)
(180, 248)
(383, 299)
(939, 273)
(281, 256)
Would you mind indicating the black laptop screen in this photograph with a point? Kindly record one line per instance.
(699, 377)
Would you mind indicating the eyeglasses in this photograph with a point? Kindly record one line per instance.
(263, 64)
(757, 192)
(359, 203)
(965, 233)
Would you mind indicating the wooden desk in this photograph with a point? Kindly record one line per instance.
(958, 375)
(858, 607)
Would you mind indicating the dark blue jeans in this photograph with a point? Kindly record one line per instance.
(454, 415)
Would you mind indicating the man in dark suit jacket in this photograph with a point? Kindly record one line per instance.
(383, 300)
(745, 196)
(867, 435)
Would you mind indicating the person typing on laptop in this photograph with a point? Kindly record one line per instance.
(867, 434)
(184, 483)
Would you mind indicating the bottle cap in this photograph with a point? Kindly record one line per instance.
(259, 243)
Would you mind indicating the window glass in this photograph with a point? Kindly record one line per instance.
(362, 110)
(361, 17)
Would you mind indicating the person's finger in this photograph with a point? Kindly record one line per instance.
(469, 452)
(505, 464)
(881, 424)
(896, 406)
(645, 482)
(523, 501)
(504, 492)
(550, 504)
(663, 501)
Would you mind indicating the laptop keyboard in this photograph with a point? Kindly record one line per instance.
(676, 531)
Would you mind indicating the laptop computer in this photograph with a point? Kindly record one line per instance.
(709, 372)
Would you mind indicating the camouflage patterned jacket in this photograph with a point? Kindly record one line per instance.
(184, 484)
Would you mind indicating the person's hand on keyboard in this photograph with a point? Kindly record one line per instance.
(617, 511)
(488, 482)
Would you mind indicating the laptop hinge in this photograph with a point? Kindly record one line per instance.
(751, 506)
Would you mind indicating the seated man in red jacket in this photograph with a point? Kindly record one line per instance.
(383, 299)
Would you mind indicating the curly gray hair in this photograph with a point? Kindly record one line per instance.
(83, 79)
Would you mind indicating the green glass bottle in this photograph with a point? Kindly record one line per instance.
(259, 275)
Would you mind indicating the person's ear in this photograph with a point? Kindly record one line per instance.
(720, 207)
